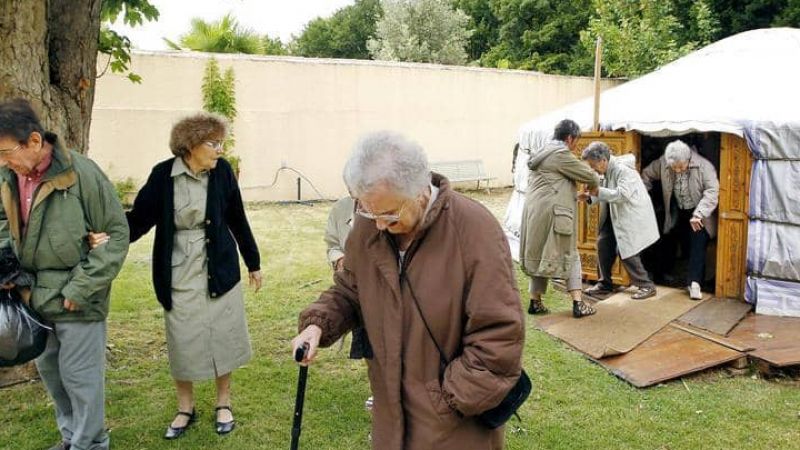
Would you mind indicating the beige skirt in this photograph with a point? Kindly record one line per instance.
(206, 337)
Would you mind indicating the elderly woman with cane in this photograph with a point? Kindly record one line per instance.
(428, 273)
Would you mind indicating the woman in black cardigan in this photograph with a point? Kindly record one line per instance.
(193, 200)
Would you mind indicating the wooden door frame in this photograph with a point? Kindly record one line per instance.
(736, 165)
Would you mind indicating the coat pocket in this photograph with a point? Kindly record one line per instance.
(46, 297)
(66, 248)
(563, 220)
(438, 403)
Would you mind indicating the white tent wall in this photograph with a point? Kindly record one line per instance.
(773, 257)
(744, 85)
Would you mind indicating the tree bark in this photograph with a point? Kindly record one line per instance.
(48, 55)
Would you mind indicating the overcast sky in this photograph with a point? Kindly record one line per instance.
(278, 18)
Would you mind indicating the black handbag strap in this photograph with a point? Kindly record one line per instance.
(443, 361)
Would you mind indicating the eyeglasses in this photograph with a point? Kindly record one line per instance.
(8, 151)
(216, 145)
(390, 218)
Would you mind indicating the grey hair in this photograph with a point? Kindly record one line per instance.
(596, 151)
(387, 158)
(677, 151)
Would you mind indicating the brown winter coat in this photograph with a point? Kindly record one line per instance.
(460, 269)
(549, 230)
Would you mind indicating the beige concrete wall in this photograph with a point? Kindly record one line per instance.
(307, 113)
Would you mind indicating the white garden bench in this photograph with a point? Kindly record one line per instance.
(463, 171)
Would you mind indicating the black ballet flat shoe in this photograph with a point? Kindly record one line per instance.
(223, 428)
(175, 433)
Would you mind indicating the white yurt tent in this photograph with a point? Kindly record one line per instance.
(747, 85)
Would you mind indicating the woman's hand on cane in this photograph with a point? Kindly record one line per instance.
(310, 337)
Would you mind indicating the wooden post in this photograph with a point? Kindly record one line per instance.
(598, 62)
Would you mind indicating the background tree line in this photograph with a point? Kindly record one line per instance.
(552, 36)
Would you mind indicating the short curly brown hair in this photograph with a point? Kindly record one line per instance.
(191, 131)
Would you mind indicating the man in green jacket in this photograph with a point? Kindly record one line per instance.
(51, 197)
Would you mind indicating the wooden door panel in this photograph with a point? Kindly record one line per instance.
(620, 143)
(736, 163)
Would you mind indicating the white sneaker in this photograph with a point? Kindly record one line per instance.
(694, 291)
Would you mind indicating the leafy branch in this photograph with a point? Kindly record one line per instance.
(116, 46)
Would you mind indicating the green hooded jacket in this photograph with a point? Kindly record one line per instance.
(74, 197)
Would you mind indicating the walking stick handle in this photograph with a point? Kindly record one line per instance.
(300, 353)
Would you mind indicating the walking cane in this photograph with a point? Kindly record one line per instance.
(299, 355)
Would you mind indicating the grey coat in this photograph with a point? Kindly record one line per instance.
(632, 214)
(340, 222)
(548, 235)
(703, 188)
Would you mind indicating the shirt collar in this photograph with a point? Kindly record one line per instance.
(434, 195)
(43, 165)
(179, 167)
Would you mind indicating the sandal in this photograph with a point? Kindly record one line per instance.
(223, 428)
(176, 432)
(537, 307)
(582, 309)
(644, 292)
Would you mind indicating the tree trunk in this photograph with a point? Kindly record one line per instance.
(48, 55)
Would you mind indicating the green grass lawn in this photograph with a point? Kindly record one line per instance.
(575, 404)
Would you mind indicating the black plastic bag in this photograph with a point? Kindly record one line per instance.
(23, 336)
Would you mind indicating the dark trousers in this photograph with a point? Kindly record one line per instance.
(606, 254)
(692, 242)
(360, 348)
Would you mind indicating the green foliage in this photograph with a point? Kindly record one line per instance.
(736, 16)
(126, 188)
(172, 44)
(790, 16)
(221, 36)
(638, 36)
(219, 97)
(483, 23)
(219, 91)
(554, 36)
(428, 31)
(134, 12)
(118, 47)
(273, 46)
(545, 35)
(343, 35)
(525, 34)
(704, 25)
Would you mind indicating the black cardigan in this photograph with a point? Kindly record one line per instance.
(225, 220)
